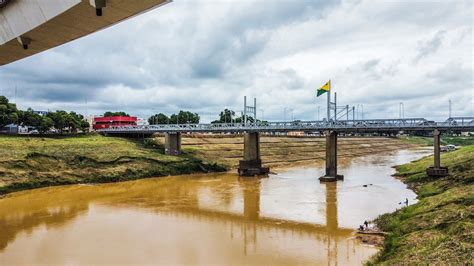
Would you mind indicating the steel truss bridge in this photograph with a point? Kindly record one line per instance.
(344, 126)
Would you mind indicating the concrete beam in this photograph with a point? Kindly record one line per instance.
(50, 23)
(252, 164)
(331, 158)
(173, 143)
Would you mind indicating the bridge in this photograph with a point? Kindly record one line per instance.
(252, 164)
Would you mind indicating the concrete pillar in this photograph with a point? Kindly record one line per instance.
(173, 143)
(252, 146)
(331, 158)
(437, 170)
(252, 164)
(436, 143)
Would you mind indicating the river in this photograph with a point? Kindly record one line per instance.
(287, 218)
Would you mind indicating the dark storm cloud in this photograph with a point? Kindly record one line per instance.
(206, 56)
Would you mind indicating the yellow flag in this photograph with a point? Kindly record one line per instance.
(325, 88)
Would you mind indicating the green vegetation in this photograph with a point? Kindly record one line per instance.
(109, 114)
(183, 117)
(445, 140)
(60, 120)
(27, 162)
(228, 116)
(439, 229)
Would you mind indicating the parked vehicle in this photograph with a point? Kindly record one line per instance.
(451, 147)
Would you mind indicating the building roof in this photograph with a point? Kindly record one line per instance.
(116, 119)
(42, 25)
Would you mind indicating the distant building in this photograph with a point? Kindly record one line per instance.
(14, 129)
(114, 121)
(42, 113)
(296, 133)
(90, 120)
(142, 122)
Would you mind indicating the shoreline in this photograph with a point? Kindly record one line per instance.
(436, 229)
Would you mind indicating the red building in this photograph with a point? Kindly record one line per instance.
(114, 121)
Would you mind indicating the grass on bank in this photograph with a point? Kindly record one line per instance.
(445, 140)
(439, 229)
(31, 162)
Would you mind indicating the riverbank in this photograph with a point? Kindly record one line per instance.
(33, 162)
(439, 229)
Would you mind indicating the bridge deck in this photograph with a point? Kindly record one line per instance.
(347, 126)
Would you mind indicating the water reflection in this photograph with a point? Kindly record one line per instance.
(201, 219)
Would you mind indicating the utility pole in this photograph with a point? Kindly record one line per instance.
(347, 112)
(449, 108)
(329, 102)
(335, 107)
(318, 112)
(245, 110)
(401, 110)
(255, 110)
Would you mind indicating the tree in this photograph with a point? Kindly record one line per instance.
(60, 119)
(45, 124)
(8, 112)
(85, 126)
(184, 117)
(74, 121)
(159, 119)
(226, 116)
(107, 114)
(64, 121)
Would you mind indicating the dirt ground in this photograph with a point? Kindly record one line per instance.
(279, 152)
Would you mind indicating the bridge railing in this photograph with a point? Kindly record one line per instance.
(453, 123)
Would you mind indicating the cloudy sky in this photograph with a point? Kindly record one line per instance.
(204, 56)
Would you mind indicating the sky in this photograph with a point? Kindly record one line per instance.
(205, 56)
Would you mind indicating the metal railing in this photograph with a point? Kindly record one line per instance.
(366, 125)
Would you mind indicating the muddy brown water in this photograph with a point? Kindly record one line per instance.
(287, 218)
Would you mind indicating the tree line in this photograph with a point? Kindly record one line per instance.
(60, 120)
(183, 117)
(228, 116)
(186, 117)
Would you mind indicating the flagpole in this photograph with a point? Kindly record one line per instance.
(329, 101)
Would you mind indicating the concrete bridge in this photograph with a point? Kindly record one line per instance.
(252, 164)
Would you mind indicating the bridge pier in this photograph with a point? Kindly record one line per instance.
(173, 143)
(331, 158)
(252, 164)
(437, 170)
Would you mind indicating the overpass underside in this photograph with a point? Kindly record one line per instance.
(30, 27)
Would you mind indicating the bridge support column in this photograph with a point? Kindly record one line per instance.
(173, 143)
(437, 170)
(331, 158)
(252, 164)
